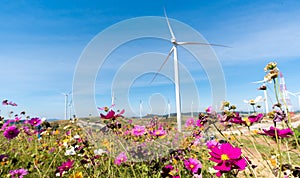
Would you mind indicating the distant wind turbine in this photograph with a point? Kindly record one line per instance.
(169, 109)
(285, 97)
(296, 95)
(141, 107)
(113, 99)
(66, 104)
(176, 70)
(192, 115)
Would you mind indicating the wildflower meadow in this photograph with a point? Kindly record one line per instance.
(212, 144)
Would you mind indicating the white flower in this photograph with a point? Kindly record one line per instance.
(43, 119)
(58, 174)
(71, 151)
(212, 170)
(76, 136)
(99, 152)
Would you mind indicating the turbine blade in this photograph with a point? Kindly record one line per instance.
(198, 43)
(169, 25)
(258, 99)
(171, 51)
(261, 81)
(294, 94)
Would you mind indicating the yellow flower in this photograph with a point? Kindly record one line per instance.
(174, 161)
(270, 66)
(77, 175)
(56, 132)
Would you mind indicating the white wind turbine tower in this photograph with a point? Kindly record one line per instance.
(296, 95)
(70, 109)
(66, 104)
(192, 115)
(285, 97)
(141, 108)
(176, 70)
(113, 99)
(169, 109)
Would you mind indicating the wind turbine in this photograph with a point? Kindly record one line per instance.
(66, 104)
(176, 70)
(295, 95)
(192, 108)
(141, 107)
(285, 96)
(70, 108)
(169, 109)
(113, 99)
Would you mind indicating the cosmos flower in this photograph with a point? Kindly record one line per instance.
(5, 102)
(282, 133)
(192, 164)
(138, 130)
(121, 158)
(11, 132)
(17, 119)
(112, 115)
(165, 172)
(190, 122)
(279, 116)
(65, 166)
(18, 173)
(5, 124)
(253, 118)
(212, 143)
(76, 175)
(270, 66)
(227, 158)
(159, 132)
(71, 151)
(237, 119)
(106, 108)
(35, 122)
(263, 87)
(99, 152)
(12, 103)
(208, 110)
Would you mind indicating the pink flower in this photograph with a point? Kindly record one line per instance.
(35, 122)
(283, 133)
(167, 170)
(208, 110)
(11, 132)
(12, 104)
(17, 119)
(121, 158)
(138, 130)
(227, 158)
(18, 173)
(159, 132)
(252, 119)
(200, 123)
(190, 122)
(212, 143)
(112, 115)
(237, 119)
(5, 102)
(5, 125)
(65, 166)
(106, 108)
(192, 164)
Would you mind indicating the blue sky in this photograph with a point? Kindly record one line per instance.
(41, 43)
